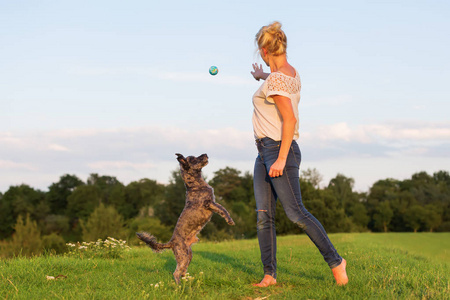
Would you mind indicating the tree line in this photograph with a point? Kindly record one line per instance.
(72, 210)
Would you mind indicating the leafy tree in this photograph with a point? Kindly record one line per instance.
(432, 218)
(325, 207)
(26, 240)
(422, 178)
(171, 207)
(235, 193)
(404, 199)
(312, 176)
(424, 188)
(336, 219)
(58, 224)
(227, 185)
(54, 242)
(442, 178)
(386, 190)
(383, 216)
(21, 200)
(244, 215)
(116, 197)
(82, 202)
(152, 225)
(342, 188)
(128, 200)
(26, 200)
(358, 215)
(140, 194)
(59, 192)
(414, 217)
(103, 182)
(104, 222)
(111, 189)
(7, 218)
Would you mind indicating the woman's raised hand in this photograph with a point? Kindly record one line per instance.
(258, 72)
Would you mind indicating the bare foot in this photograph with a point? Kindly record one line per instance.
(267, 281)
(340, 274)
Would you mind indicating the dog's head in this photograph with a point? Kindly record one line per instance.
(192, 163)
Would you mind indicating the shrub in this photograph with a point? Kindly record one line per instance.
(149, 224)
(56, 224)
(54, 243)
(103, 222)
(26, 240)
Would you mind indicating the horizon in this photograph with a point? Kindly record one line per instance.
(322, 184)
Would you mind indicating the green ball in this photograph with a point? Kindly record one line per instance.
(213, 70)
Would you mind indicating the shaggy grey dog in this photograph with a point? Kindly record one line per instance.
(199, 207)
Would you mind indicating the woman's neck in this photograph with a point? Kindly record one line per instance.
(278, 62)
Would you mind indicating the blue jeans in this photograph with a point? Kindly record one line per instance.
(287, 189)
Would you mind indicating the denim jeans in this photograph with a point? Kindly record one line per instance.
(286, 188)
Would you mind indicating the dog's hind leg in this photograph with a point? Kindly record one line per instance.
(183, 256)
(220, 210)
(190, 258)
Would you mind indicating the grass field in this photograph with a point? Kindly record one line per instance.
(380, 266)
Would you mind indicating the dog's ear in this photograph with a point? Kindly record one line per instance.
(182, 161)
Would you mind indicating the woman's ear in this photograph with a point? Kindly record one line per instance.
(264, 51)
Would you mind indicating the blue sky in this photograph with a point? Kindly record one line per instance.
(116, 88)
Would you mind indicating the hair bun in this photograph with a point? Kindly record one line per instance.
(275, 26)
(272, 38)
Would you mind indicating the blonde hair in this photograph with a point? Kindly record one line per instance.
(272, 38)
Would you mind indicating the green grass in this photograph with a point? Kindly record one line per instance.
(380, 266)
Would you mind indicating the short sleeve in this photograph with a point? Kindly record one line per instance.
(280, 84)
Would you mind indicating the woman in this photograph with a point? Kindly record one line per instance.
(276, 173)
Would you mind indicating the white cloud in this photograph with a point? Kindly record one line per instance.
(110, 165)
(56, 147)
(8, 138)
(149, 152)
(11, 165)
(370, 133)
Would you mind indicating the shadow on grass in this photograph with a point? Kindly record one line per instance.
(312, 275)
(169, 265)
(238, 264)
(226, 260)
(246, 266)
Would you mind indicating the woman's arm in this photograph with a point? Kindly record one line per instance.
(284, 105)
(258, 72)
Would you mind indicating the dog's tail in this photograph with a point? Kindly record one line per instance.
(150, 240)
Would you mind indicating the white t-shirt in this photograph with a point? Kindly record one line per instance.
(267, 120)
